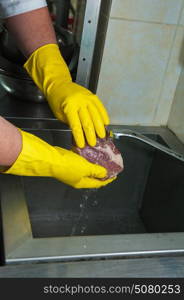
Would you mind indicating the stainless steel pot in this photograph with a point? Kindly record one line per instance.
(14, 78)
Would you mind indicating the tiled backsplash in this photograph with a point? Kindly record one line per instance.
(142, 60)
(176, 117)
(160, 11)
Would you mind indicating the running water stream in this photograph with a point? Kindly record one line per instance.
(83, 214)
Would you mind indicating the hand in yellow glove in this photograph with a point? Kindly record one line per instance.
(70, 102)
(38, 158)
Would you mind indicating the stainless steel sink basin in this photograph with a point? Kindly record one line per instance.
(60, 210)
(141, 213)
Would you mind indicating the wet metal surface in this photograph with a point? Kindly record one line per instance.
(60, 210)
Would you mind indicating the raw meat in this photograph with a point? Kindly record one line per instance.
(105, 154)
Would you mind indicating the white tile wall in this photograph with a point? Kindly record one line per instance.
(134, 62)
(176, 118)
(171, 77)
(142, 60)
(181, 20)
(162, 11)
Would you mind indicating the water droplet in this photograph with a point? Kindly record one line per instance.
(85, 197)
(83, 229)
(95, 203)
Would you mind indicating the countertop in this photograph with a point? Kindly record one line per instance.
(168, 266)
(15, 108)
(144, 267)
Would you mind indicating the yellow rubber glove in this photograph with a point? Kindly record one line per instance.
(70, 102)
(38, 158)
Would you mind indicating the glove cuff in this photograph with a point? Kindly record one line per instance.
(45, 65)
(36, 154)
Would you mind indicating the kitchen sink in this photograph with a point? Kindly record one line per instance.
(140, 213)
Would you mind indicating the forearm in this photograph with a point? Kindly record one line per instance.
(10, 143)
(32, 30)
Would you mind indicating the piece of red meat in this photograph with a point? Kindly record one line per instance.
(105, 154)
